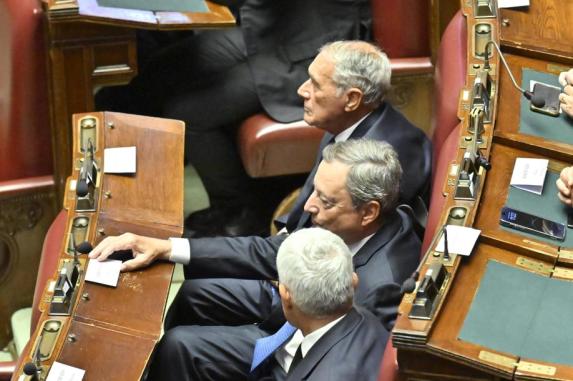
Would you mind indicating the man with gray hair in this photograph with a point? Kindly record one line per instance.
(332, 340)
(210, 325)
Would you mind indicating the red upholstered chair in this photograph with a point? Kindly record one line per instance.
(269, 148)
(449, 79)
(26, 184)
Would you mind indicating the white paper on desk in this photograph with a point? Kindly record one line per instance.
(119, 160)
(529, 174)
(512, 3)
(461, 240)
(63, 372)
(106, 272)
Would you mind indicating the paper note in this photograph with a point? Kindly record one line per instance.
(461, 240)
(106, 272)
(63, 372)
(512, 3)
(119, 160)
(529, 174)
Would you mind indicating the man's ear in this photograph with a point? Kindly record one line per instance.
(286, 298)
(354, 98)
(370, 212)
(355, 280)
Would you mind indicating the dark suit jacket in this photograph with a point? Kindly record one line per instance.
(382, 264)
(414, 152)
(283, 36)
(351, 350)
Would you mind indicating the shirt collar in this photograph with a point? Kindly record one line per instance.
(356, 246)
(345, 134)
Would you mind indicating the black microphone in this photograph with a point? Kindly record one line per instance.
(409, 285)
(446, 251)
(86, 170)
(84, 247)
(537, 100)
(30, 369)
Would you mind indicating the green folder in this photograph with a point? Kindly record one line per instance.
(157, 5)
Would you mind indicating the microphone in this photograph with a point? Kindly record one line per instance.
(446, 252)
(536, 100)
(84, 247)
(30, 369)
(409, 285)
(86, 171)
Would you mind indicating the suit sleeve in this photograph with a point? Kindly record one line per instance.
(238, 257)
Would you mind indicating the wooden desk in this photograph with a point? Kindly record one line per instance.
(532, 37)
(89, 47)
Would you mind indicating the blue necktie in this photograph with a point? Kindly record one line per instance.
(266, 346)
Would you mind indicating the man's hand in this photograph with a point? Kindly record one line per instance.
(566, 97)
(145, 250)
(564, 185)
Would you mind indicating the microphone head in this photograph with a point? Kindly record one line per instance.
(408, 286)
(84, 247)
(82, 188)
(30, 369)
(538, 100)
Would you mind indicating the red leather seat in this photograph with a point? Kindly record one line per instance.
(269, 148)
(449, 79)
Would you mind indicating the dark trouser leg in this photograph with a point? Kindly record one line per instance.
(208, 111)
(221, 302)
(204, 353)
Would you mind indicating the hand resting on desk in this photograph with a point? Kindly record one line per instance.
(564, 185)
(566, 97)
(145, 250)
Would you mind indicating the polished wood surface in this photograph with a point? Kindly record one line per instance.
(430, 349)
(89, 47)
(112, 331)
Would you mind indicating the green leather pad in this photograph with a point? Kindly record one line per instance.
(559, 128)
(522, 313)
(547, 206)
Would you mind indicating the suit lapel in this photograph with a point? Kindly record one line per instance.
(381, 238)
(325, 344)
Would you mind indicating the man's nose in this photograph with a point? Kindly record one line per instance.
(310, 205)
(303, 90)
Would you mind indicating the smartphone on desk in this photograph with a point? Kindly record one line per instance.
(529, 223)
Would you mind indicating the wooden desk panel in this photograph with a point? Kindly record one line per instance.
(90, 47)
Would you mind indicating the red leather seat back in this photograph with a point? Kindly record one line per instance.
(49, 261)
(450, 76)
(447, 154)
(25, 140)
(401, 27)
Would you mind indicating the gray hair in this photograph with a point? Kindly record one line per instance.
(374, 174)
(316, 266)
(362, 65)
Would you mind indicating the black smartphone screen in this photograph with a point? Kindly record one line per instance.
(533, 224)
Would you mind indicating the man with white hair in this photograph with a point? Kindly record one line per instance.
(333, 340)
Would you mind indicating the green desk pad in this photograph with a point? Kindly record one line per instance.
(522, 313)
(547, 206)
(533, 123)
(158, 5)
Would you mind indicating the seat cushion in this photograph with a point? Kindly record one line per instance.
(269, 148)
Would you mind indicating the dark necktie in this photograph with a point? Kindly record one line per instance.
(296, 359)
(266, 346)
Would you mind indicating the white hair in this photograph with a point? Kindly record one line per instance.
(316, 267)
(362, 65)
(374, 173)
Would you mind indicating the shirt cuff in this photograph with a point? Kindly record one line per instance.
(180, 251)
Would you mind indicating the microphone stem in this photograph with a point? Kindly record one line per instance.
(486, 65)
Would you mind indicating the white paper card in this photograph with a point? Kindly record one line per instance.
(461, 240)
(106, 272)
(529, 174)
(119, 160)
(62, 372)
(512, 3)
